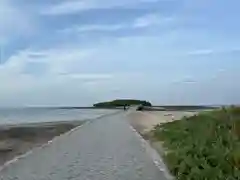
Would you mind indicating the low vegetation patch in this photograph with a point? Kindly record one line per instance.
(204, 146)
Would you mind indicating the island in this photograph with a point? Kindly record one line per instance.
(121, 103)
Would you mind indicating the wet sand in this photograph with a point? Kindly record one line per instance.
(18, 139)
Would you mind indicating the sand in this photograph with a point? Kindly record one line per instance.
(144, 121)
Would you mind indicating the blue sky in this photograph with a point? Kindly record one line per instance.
(77, 52)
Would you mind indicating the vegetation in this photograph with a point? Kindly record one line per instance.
(203, 147)
(122, 102)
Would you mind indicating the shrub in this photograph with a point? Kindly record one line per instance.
(204, 146)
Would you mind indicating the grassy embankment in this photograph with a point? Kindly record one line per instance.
(203, 147)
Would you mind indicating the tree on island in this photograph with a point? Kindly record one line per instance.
(122, 102)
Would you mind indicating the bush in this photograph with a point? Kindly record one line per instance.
(204, 146)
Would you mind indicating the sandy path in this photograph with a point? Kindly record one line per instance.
(145, 121)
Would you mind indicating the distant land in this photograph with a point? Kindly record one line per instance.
(122, 102)
(119, 103)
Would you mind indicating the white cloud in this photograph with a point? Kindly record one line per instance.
(213, 51)
(101, 27)
(201, 52)
(56, 86)
(59, 85)
(68, 7)
(57, 59)
(90, 76)
(93, 27)
(118, 68)
(74, 6)
(151, 20)
(145, 21)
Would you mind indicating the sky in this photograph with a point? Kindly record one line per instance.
(78, 52)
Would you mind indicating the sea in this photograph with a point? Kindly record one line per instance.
(37, 115)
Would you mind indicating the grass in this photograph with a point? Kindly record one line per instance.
(203, 147)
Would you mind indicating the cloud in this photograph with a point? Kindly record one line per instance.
(69, 7)
(148, 51)
(73, 75)
(57, 85)
(151, 20)
(91, 28)
(129, 67)
(89, 76)
(145, 21)
(101, 28)
(57, 59)
(200, 52)
(75, 6)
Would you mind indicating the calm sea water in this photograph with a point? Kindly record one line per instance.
(32, 115)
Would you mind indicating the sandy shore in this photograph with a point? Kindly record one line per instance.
(145, 121)
(16, 140)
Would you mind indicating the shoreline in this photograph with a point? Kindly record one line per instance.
(17, 140)
(145, 121)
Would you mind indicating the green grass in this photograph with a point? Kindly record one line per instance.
(203, 147)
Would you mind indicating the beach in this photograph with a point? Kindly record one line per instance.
(16, 140)
(22, 129)
(144, 121)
